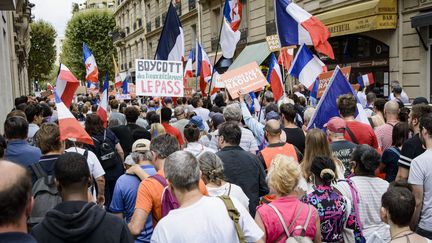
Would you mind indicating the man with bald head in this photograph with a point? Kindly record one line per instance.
(16, 202)
(272, 133)
(384, 132)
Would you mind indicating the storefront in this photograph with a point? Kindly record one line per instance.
(351, 29)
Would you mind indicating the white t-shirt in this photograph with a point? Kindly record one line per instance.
(197, 149)
(233, 192)
(370, 191)
(203, 113)
(421, 175)
(205, 221)
(94, 165)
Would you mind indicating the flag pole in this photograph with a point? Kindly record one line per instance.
(217, 50)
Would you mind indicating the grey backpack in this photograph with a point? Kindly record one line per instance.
(45, 194)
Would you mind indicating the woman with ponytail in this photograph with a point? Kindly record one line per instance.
(212, 170)
(331, 206)
(365, 190)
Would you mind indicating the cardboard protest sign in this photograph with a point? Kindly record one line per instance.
(246, 78)
(159, 78)
(273, 43)
(324, 79)
(188, 92)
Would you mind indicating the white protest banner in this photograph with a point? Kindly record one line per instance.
(123, 97)
(159, 78)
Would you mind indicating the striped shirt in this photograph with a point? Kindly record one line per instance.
(412, 148)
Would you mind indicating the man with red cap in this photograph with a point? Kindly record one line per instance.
(341, 148)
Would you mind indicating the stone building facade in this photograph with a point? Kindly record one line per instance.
(15, 18)
(370, 35)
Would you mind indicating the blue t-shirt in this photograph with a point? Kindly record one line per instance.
(21, 152)
(390, 158)
(124, 197)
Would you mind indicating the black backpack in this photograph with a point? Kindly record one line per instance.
(45, 194)
(105, 153)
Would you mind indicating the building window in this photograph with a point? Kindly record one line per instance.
(157, 8)
(215, 22)
(193, 34)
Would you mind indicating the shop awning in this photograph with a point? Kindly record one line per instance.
(256, 52)
(362, 17)
(421, 20)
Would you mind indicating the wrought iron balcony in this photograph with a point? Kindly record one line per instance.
(192, 5)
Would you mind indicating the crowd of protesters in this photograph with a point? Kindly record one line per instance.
(212, 169)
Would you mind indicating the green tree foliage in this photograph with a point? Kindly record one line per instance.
(93, 28)
(42, 51)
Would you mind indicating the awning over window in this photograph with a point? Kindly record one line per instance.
(256, 52)
(421, 20)
(362, 17)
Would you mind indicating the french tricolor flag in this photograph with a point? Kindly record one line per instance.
(69, 126)
(230, 35)
(286, 57)
(66, 85)
(102, 110)
(365, 80)
(274, 77)
(306, 67)
(204, 67)
(92, 72)
(188, 72)
(171, 42)
(295, 26)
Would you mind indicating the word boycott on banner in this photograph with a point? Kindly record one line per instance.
(246, 78)
(159, 78)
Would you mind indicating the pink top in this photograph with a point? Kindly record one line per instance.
(288, 207)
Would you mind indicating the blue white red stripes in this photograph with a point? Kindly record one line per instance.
(274, 77)
(188, 72)
(204, 67)
(66, 85)
(230, 33)
(306, 67)
(365, 80)
(92, 72)
(171, 42)
(296, 26)
(69, 126)
(102, 110)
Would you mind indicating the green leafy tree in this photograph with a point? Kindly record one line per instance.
(93, 28)
(42, 50)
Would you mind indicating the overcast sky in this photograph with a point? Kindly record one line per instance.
(56, 12)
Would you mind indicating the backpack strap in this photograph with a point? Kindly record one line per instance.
(394, 150)
(86, 154)
(234, 215)
(229, 190)
(160, 179)
(38, 170)
(307, 221)
(281, 219)
(351, 134)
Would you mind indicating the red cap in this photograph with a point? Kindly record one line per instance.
(336, 125)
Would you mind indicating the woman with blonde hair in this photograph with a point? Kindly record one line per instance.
(316, 144)
(287, 215)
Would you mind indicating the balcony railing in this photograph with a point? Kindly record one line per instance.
(192, 5)
(157, 22)
(214, 43)
(148, 27)
(164, 16)
(179, 10)
(271, 28)
(243, 36)
(117, 36)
